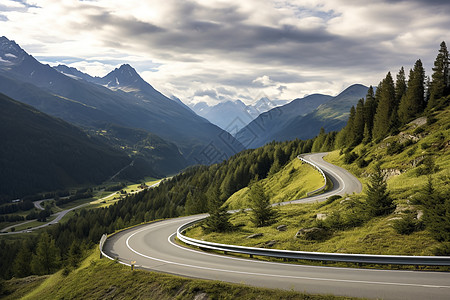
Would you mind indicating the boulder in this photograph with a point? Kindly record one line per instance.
(282, 227)
(270, 243)
(313, 233)
(255, 235)
(321, 216)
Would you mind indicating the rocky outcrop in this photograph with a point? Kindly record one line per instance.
(321, 216)
(282, 227)
(255, 235)
(313, 233)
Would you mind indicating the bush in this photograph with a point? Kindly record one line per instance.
(394, 148)
(412, 151)
(407, 224)
(442, 250)
(331, 199)
(350, 157)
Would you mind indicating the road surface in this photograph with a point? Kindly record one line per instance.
(153, 248)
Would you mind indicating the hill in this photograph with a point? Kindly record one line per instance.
(42, 153)
(419, 155)
(302, 118)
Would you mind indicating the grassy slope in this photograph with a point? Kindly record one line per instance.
(377, 235)
(290, 183)
(105, 279)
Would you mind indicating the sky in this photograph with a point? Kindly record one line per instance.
(219, 50)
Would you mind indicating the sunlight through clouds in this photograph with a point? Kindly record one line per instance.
(185, 47)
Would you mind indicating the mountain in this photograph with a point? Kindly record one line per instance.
(232, 116)
(42, 153)
(266, 125)
(301, 118)
(332, 116)
(122, 97)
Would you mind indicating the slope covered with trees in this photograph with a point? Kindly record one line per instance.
(42, 153)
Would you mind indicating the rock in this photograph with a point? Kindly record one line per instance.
(282, 227)
(255, 235)
(321, 216)
(313, 233)
(419, 214)
(270, 243)
(201, 296)
(388, 173)
(419, 121)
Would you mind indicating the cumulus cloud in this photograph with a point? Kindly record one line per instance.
(233, 49)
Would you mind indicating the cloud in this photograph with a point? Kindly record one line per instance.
(234, 49)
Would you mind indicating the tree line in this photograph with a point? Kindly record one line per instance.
(201, 189)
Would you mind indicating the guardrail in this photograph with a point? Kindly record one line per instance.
(317, 256)
(320, 171)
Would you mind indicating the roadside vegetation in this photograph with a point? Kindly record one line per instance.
(116, 281)
(397, 143)
(404, 208)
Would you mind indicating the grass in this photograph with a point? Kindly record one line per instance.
(375, 237)
(33, 224)
(371, 235)
(104, 279)
(290, 183)
(17, 288)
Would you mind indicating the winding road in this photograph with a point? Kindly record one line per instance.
(152, 247)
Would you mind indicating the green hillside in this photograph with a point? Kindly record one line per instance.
(290, 183)
(42, 153)
(115, 281)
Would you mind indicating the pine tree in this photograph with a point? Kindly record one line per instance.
(358, 124)
(400, 85)
(436, 206)
(263, 213)
(47, 257)
(378, 200)
(75, 254)
(349, 135)
(440, 77)
(219, 218)
(385, 107)
(414, 100)
(22, 262)
(370, 108)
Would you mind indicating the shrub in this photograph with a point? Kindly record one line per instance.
(350, 157)
(407, 224)
(331, 199)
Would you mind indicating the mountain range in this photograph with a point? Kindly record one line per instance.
(232, 116)
(121, 97)
(301, 118)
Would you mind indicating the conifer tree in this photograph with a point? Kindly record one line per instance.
(400, 85)
(219, 218)
(349, 127)
(378, 200)
(436, 206)
(358, 123)
(263, 213)
(381, 125)
(440, 78)
(370, 108)
(414, 100)
(47, 257)
(22, 262)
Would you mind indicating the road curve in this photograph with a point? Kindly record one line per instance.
(152, 247)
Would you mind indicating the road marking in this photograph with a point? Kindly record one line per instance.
(277, 275)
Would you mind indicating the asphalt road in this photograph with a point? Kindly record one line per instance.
(152, 247)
